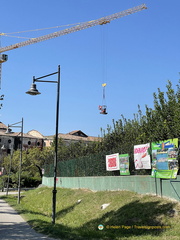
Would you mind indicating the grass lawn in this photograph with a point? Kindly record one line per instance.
(129, 216)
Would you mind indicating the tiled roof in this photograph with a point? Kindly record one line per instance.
(78, 133)
(16, 134)
(74, 137)
(69, 137)
(35, 133)
(3, 126)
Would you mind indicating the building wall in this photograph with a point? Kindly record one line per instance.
(35, 133)
(13, 142)
(7, 143)
(140, 184)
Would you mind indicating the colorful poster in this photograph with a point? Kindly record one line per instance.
(142, 159)
(112, 162)
(164, 158)
(124, 164)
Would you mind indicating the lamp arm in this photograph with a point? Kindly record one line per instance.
(46, 75)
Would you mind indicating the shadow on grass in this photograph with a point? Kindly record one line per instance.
(133, 219)
(65, 211)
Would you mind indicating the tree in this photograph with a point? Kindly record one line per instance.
(33, 161)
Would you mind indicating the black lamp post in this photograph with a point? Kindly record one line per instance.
(16, 125)
(33, 91)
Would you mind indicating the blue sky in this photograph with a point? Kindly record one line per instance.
(134, 55)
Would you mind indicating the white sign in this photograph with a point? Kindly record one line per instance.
(112, 162)
(142, 158)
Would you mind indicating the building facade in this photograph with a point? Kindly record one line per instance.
(10, 141)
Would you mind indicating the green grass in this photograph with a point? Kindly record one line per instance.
(129, 216)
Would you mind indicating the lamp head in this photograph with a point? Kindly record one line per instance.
(33, 90)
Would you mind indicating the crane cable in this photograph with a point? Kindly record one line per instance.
(104, 34)
(103, 107)
(35, 30)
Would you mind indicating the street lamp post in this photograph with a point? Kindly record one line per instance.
(33, 91)
(16, 125)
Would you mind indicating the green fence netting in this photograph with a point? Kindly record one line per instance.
(92, 165)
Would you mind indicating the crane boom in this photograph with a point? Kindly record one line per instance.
(79, 27)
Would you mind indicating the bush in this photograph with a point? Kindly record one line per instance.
(30, 181)
(26, 181)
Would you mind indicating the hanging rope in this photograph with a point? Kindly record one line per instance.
(104, 95)
(103, 107)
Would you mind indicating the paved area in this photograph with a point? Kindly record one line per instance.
(13, 226)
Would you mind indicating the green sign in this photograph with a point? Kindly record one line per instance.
(164, 173)
(164, 158)
(124, 164)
